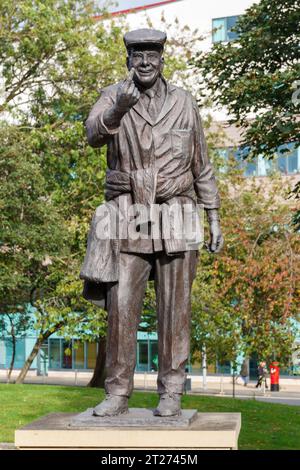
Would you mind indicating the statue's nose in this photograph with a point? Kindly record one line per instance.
(145, 61)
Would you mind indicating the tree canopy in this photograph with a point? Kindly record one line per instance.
(55, 58)
(256, 75)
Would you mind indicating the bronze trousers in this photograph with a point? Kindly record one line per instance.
(173, 277)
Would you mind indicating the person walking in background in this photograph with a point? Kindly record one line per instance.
(244, 372)
(262, 375)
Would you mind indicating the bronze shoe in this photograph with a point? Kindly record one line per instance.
(169, 405)
(112, 405)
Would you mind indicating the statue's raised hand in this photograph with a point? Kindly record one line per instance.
(127, 94)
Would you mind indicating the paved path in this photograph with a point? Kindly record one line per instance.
(288, 394)
(283, 398)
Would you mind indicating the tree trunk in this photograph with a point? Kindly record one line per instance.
(99, 372)
(13, 338)
(34, 352)
(29, 360)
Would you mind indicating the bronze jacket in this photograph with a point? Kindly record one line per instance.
(173, 145)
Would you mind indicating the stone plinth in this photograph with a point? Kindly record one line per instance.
(137, 418)
(136, 430)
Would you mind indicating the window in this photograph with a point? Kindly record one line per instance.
(2, 354)
(250, 168)
(222, 29)
(153, 355)
(54, 354)
(91, 355)
(142, 364)
(287, 163)
(219, 30)
(20, 353)
(79, 354)
(288, 159)
(67, 355)
(223, 367)
(264, 166)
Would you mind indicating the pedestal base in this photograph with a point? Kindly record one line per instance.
(71, 431)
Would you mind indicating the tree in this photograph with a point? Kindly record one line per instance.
(256, 77)
(54, 60)
(245, 299)
(27, 212)
(13, 327)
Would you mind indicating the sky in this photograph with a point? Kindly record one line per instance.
(113, 5)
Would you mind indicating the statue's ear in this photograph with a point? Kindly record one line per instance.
(128, 63)
(162, 63)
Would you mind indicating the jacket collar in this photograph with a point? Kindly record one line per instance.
(169, 103)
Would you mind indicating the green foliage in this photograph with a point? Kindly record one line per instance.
(32, 229)
(54, 60)
(15, 325)
(256, 276)
(246, 297)
(257, 73)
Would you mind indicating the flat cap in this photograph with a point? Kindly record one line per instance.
(145, 36)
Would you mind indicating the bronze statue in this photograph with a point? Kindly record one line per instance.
(156, 155)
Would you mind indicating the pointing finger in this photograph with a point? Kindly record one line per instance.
(131, 88)
(130, 75)
(136, 93)
(128, 80)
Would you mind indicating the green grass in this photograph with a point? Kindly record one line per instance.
(264, 425)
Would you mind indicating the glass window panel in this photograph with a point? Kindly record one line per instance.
(79, 354)
(222, 154)
(54, 359)
(282, 164)
(237, 154)
(19, 355)
(287, 158)
(67, 355)
(264, 166)
(224, 367)
(8, 352)
(219, 29)
(91, 355)
(211, 368)
(292, 161)
(43, 358)
(2, 354)
(231, 21)
(143, 356)
(240, 154)
(154, 355)
(250, 169)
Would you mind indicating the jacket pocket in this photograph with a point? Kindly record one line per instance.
(181, 143)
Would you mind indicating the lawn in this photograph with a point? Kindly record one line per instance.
(264, 425)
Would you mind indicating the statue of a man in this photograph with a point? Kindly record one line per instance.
(156, 154)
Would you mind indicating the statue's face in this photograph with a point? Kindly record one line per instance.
(147, 62)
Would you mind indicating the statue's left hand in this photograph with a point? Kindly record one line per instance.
(216, 238)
